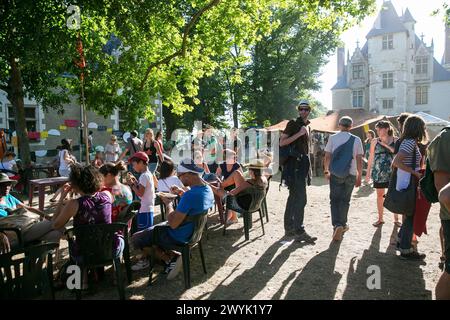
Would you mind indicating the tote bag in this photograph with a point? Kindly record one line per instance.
(404, 201)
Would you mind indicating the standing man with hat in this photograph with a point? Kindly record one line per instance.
(343, 168)
(296, 172)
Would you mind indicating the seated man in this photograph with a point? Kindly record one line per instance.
(8, 204)
(192, 202)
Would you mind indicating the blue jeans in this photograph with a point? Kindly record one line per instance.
(340, 193)
(405, 234)
(152, 167)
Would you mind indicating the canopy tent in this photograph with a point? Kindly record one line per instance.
(362, 119)
(434, 124)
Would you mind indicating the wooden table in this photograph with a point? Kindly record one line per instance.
(48, 169)
(41, 184)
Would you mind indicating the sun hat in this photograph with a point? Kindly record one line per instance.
(256, 164)
(5, 179)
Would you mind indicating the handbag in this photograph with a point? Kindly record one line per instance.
(404, 201)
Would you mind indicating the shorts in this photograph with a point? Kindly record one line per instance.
(381, 185)
(144, 220)
(144, 238)
(446, 229)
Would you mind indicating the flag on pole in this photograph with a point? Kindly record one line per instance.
(81, 63)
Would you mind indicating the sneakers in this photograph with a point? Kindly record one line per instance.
(345, 229)
(338, 233)
(174, 267)
(304, 237)
(140, 265)
(414, 256)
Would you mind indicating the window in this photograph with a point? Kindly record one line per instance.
(388, 80)
(357, 71)
(388, 42)
(421, 94)
(30, 118)
(358, 99)
(421, 65)
(388, 103)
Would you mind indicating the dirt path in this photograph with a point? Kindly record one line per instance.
(267, 268)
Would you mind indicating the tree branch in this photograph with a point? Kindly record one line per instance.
(182, 51)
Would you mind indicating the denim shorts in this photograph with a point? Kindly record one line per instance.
(446, 229)
(144, 238)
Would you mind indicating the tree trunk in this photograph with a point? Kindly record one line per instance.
(15, 96)
(235, 114)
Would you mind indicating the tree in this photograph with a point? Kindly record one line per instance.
(285, 64)
(165, 45)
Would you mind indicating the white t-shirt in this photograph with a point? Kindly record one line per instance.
(63, 165)
(8, 165)
(339, 139)
(148, 198)
(165, 184)
(113, 148)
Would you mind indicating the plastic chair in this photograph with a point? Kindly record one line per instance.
(28, 276)
(264, 208)
(94, 244)
(257, 196)
(199, 222)
(126, 216)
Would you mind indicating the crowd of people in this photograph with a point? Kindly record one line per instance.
(98, 192)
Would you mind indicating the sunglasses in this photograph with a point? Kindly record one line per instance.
(304, 109)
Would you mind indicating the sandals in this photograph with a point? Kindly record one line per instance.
(378, 223)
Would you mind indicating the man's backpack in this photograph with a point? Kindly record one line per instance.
(341, 159)
(427, 182)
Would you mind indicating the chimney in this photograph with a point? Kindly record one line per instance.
(447, 47)
(340, 62)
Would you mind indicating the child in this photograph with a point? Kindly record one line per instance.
(144, 189)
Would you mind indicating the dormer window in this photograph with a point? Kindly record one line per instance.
(421, 65)
(357, 71)
(388, 42)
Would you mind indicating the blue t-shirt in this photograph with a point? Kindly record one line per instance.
(10, 203)
(195, 201)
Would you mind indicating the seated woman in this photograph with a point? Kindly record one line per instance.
(167, 176)
(230, 165)
(256, 180)
(92, 207)
(121, 193)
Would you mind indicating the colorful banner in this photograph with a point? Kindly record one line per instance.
(366, 128)
(34, 135)
(70, 123)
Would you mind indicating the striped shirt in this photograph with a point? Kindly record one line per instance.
(407, 147)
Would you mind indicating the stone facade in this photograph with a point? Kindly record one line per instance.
(395, 71)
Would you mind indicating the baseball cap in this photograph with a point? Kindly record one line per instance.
(141, 155)
(188, 165)
(303, 102)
